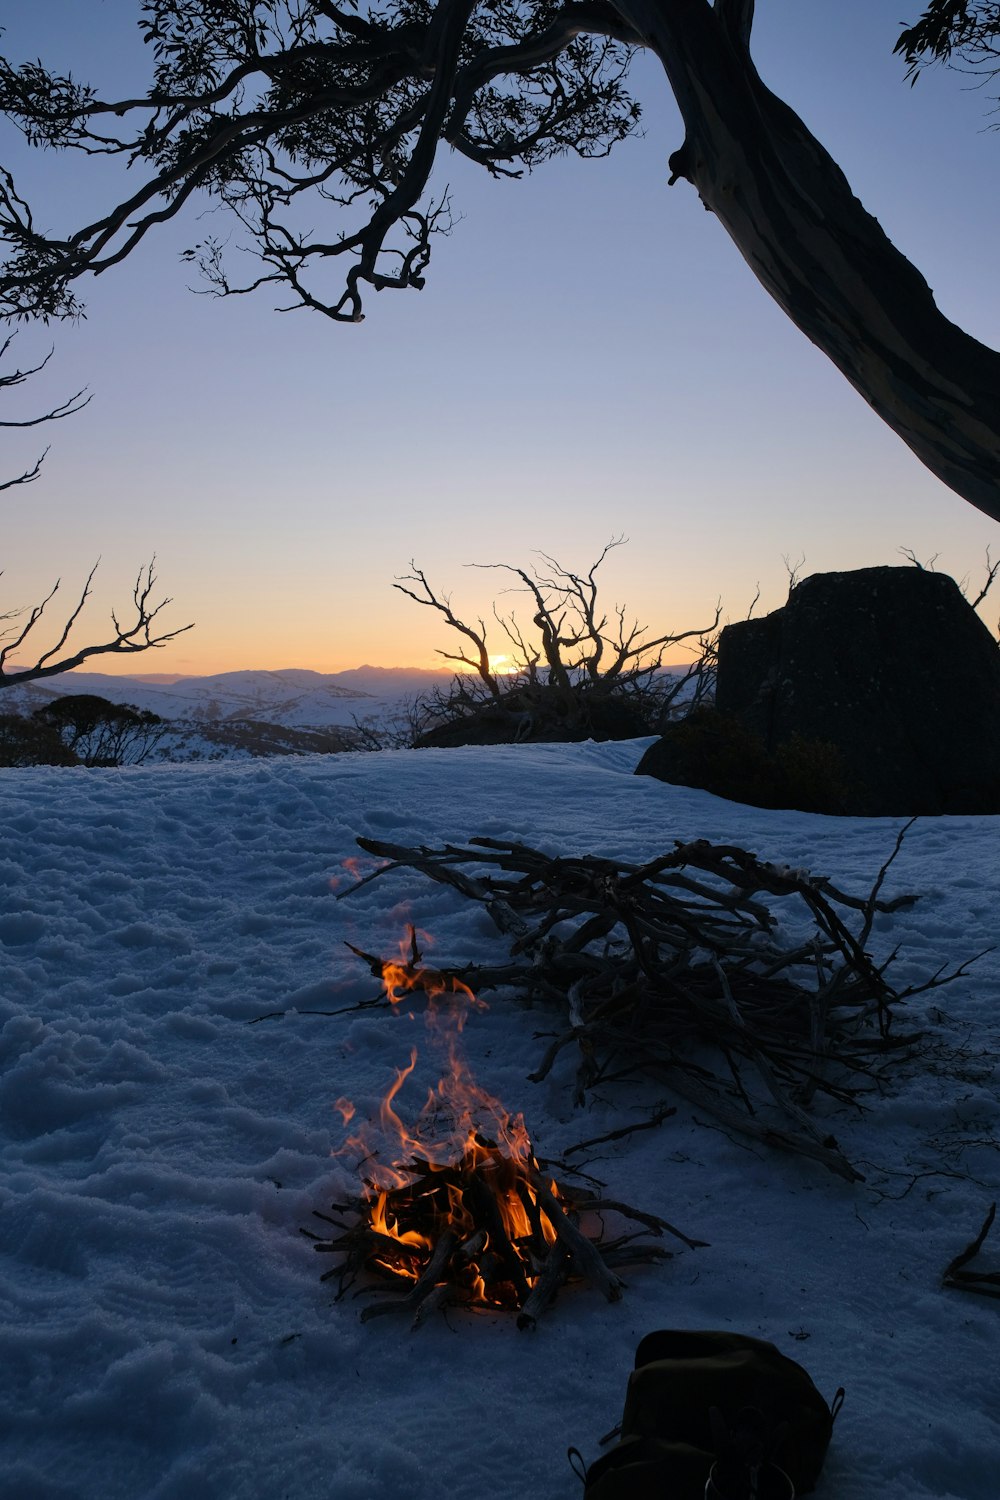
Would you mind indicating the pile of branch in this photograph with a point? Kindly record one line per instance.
(441, 1239)
(676, 968)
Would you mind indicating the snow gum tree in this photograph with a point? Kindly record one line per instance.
(266, 104)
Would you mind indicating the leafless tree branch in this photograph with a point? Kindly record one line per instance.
(140, 635)
(992, 568)
(9, 380)
(571, 664)
(21, 623)
(480, 663)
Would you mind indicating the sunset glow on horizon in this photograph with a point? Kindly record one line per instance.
(590, 356)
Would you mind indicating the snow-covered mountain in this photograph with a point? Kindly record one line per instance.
(294, 697)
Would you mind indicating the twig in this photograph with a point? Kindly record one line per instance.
(658, 1116)
(982, 1282)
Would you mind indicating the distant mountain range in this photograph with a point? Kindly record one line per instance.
(293, 698)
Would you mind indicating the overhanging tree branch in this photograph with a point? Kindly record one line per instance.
(827, 262)
(257, 104)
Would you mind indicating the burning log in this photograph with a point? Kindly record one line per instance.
(552, 1276)
(459, 1218)
(489, 1232)
(584, 1252)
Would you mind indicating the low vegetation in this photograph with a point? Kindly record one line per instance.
(80, 729)
(576, 670)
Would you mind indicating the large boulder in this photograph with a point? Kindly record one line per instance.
(718, 753)
(893, 669)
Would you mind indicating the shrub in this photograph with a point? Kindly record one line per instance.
(27, 742)
(578, 671)
(101, 733)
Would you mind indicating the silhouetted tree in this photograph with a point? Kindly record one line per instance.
(128, 637)
(259, 102)
(96, 732)
(27, 742)
(577, 670)
(21, 623)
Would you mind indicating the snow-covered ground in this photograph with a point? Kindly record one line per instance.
(164, 1330)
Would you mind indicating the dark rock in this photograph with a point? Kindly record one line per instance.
(718, 753)
(889, 666)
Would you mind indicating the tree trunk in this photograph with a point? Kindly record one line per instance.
(824, 259)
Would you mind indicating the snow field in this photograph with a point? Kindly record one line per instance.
(164, 1332)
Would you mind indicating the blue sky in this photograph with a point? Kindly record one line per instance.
(590, 357)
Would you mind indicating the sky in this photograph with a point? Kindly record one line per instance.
(590, 358)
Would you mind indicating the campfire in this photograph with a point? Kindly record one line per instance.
(464, 1214)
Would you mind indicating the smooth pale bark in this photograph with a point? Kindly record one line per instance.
(824, 259)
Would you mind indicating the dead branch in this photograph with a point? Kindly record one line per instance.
(586, 1256)
(480, 663)
(794, 572)
(9, 380)
(140, 635)
(992, 568)
(665, 1112)
(655, 963)
(911, 557)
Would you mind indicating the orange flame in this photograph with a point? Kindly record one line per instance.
(460, 1124)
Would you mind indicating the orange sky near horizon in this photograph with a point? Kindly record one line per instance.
(400, 634)
(590, 356)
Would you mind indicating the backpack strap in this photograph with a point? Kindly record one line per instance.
(578, 1464)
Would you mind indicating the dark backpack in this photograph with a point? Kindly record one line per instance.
(697, 1400)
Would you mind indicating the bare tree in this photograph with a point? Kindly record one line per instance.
(22, 625)
(575, 660)
(990, 571)
(794, 572)
(139, 634)
(259, 102)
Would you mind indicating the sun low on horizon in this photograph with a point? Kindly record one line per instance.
(589, 356)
